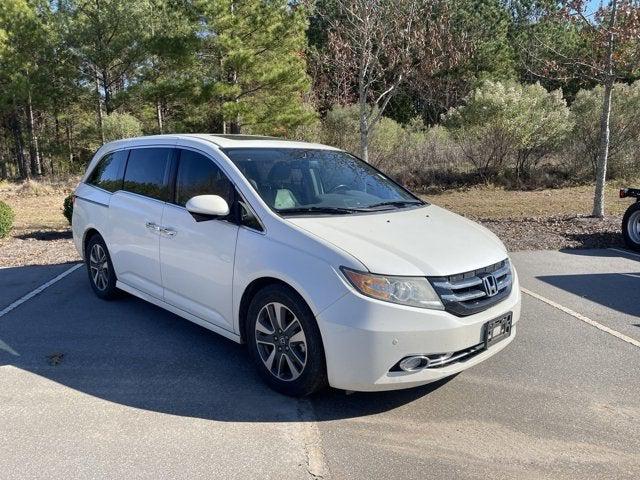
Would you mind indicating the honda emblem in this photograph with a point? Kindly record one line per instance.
(490, 285)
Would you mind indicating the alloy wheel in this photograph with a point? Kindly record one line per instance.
(281, 341)
(99, 267)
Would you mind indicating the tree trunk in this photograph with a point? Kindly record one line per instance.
(99, 106)
(107, 92)
(605, 119)
(364, 129)
(234, 127)
(34, 151)
(364, 145)
(69, 143)
(4, 171)
(603, 151)
(159, 116)
(21, 159)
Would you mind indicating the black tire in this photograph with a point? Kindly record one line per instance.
(631, 233)
(102, 278)
(313, 374)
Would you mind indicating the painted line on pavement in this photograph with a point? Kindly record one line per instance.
(38, 290)
(626, 252)
(583, 318)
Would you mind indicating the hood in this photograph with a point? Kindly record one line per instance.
(425, 241)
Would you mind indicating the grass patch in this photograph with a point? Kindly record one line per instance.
(493, 203)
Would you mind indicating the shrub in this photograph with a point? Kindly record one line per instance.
(624, 159)
(6, 219)
(121, 125)
(340, 128)
(67, 208)
(506, 124)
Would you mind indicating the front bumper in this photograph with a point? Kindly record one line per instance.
(364, 338)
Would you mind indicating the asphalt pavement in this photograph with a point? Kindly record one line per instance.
(123, 389)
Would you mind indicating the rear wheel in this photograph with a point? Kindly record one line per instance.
(284, 342)
(631, 226)
(100, 269)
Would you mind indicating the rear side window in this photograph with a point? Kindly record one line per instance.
(198, 175)
(108, 172)
(146, 172)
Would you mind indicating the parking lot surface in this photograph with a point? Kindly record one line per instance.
(94, 389)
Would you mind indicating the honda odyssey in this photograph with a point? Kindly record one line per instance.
(330, 272)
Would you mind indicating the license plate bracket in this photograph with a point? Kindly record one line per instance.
(496, 330)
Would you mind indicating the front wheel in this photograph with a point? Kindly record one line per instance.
(284, 342)
(631, 226)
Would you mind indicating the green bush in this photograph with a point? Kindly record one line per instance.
(340, 128)
(121, 125)
(67, 208)
(624, 159)
(6, 219)
(508, 125)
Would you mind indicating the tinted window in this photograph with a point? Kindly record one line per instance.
(146, 170)
(198, 175)
(108, 172)
(312, 180)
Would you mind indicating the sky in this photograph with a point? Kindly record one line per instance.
(594, 5)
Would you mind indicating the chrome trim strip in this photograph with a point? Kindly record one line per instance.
(456, 357)
(464, 297)
(471, 282)
(92, 201)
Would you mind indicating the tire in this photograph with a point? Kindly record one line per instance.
(631, 227)
(295, 342)
(102, 276)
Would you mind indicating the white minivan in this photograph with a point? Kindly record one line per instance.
(329, 272)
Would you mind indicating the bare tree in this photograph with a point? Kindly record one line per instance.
(605, 48)
(373, 46)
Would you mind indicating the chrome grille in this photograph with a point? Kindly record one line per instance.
(468, 293)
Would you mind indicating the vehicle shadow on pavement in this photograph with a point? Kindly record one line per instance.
(613, 290)
(605, 289)
(132, 353)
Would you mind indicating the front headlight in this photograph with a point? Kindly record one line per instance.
(412, 291)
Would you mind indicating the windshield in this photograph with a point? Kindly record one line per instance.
(294, 181)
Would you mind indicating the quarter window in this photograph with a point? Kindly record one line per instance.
(108, 172)
(146, 171)
(198, 175)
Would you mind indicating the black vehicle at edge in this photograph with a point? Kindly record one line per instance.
(631, 219)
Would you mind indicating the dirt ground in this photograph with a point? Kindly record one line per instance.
(541, 219)
(529, 220)
(41, 234)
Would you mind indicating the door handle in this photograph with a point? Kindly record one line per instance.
(152, 226)
(170, 232)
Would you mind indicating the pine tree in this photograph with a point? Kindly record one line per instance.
(255, 62)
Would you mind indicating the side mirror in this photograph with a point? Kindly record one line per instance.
(209, 205)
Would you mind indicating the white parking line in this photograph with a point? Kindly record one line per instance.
(38, 290)
(581, 317)
(626, 252)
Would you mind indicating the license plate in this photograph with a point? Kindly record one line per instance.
(496, 330)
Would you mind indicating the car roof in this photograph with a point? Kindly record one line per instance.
(224, 141)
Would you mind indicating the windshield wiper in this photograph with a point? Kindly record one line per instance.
(395, 203)
(329, 210)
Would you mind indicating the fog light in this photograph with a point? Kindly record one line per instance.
(414, 363)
